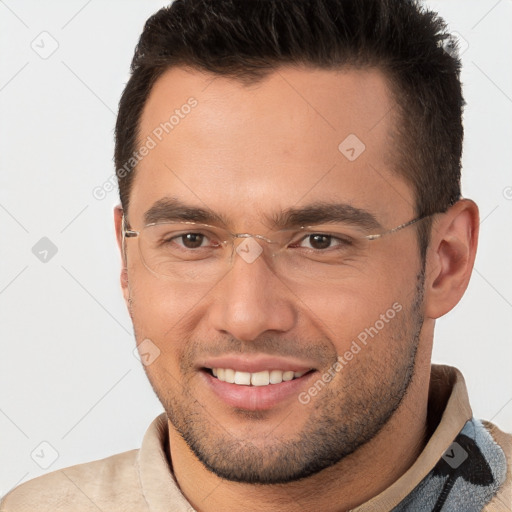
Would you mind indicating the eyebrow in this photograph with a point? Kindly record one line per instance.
(322, 212)
(170, 209)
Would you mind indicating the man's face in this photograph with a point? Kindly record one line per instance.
(250, 154)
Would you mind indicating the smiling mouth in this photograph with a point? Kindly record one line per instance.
(263, 378)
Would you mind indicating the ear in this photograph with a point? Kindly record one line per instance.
(450, 257)
(118, 222)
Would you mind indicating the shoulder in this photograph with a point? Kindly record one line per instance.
(502, 502)
(108, 484)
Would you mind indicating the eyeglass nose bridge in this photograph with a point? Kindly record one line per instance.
(249, 235)
(250, 254)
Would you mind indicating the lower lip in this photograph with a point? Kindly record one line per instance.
(256, 398)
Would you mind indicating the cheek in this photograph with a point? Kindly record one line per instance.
(156, 311)
(163, 311)
(169, 313)
(363, 307)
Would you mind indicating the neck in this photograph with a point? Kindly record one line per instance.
(357, 478)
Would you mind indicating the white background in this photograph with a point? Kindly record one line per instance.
(68, 376)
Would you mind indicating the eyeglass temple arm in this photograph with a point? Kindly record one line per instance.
(126, 232)
(398, 228)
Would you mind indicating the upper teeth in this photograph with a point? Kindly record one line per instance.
(256, 379)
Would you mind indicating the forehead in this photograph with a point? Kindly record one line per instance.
(296, 136)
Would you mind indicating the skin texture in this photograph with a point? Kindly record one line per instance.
(246, 153)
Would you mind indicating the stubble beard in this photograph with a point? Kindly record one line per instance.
(340, 420)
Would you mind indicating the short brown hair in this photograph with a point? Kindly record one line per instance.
(248, 39)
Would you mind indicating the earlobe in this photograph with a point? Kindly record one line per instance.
(450, 257)
(125, 286)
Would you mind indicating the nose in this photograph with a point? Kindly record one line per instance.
(251, 299)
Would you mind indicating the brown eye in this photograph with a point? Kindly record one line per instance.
(319, 241)
(192, 240)
(324, 242)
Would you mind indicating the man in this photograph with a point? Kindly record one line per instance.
(291, 227)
